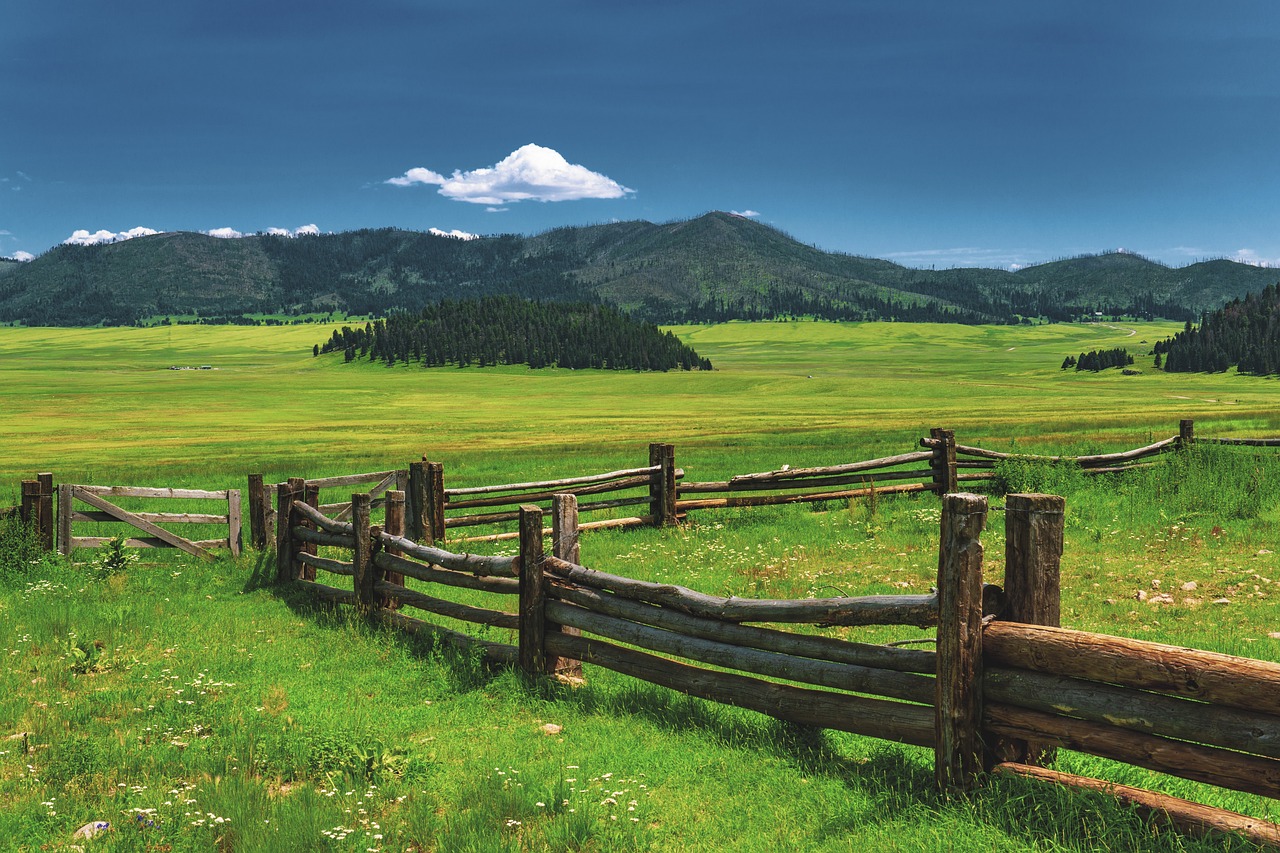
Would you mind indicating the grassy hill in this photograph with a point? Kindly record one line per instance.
(717, 266)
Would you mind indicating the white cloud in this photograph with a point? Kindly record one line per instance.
(496, 209)
(749, 213)
(1253, 259)
(84, 238)
(224, 233)
(460, 235)
(530, 173)
(297, 232)
(22, 256)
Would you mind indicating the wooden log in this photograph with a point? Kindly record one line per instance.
(436, 499)
(452, 609)
(832, 470)
(65, 501)
(257, 514)
(362, 553)
(343, 510)
(316, 516)
(476, 564)
(857, 679)
(919, 610)
(328, 593)
(813, 483)
(1098, 459)
(633, 521)
(943, 461)
(958, 751)
(510, 500)
(134, 542)
(379, 488)
(154, 517)
(336, 567)
(141, 492)
(1242, 442)
(596, 506)
(544, 485)
(1136, 710)
(963, 464)
(394, 526)
(1116, 469)
(352, 480)
(1251, 685)
(44, 517)
(1033, 533)
(145, 526)
(233, 522)
(316, 537)
(499, 653)
(416, 503)
(1213, 766)
(1194, 819)
(880, 718)
(432, 574)
(482, 518)
(748, 636)
(775, 500)
(533, 593)
(285, 497)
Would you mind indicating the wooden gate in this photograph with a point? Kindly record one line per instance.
(146, 522)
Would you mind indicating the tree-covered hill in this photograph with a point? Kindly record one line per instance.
(717, 266)
(1244, 333)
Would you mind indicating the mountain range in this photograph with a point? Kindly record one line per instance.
(714, 267)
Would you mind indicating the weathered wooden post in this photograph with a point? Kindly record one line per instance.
(363, 572)
(29, 509)
(1186, 432)
(943, 464)
(435, 502)
(64, 519)
(44, 509)
(662, 485)
(415, 503)
(310, 497)
(565, 546)
(233, 522)
(533, 593)
(286, 567)
(1033, 526)
(394, 526)
(958, 756)
(257, 513)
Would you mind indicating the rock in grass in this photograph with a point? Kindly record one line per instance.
(89, 830)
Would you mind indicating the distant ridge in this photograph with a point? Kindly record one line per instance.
(714, 267)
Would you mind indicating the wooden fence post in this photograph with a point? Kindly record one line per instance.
(1033, 526)
(565, 546)
(363, 573)
(1186, 432)
(234, 541)
(311, 497)
(64, 519)
(46, 519)
(395, 526)
(29, 509)
(958, 756)
(257, 513)
(533, 593)
(944, 461)
(435, 502)
(415, 503)
(286, 566)
(662, 486)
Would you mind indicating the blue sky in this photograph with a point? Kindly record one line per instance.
(931, 133)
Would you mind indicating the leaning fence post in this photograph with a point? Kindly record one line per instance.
(565, 546)
(257, 513)
(533, 593)
(363, 574)
(394, 525)
(1033, 526)
(662, 485)
(958, 757)
(1186, 432)
(943, 464)
(65, 499)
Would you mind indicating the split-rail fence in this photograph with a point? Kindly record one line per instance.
(1004, 687)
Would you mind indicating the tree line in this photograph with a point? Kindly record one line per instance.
(507, 330)
(1096, 360)
(1244, 333)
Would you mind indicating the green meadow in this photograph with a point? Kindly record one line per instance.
(196, 707)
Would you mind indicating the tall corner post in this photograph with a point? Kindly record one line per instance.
(662, 485)
(958, 749)
(565, 546)
(943, 464)
(363, 573)
(1033, 526)
(533, 593)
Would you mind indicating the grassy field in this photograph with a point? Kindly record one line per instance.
(194, 707)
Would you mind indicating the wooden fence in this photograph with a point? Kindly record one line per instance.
(104, 511)
(1003, 688)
